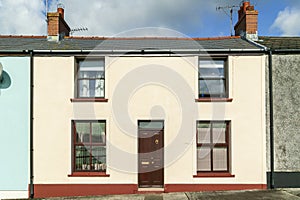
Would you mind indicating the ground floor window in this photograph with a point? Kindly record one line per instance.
(213, 146)
(89, 146)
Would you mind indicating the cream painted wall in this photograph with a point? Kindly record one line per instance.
(167, 94)
(247, 115)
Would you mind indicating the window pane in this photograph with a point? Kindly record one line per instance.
(99, 88)
(211, 63)
(91, 65)
(91, 74)
(219, 133)
(99, 158)
(82, 159)
(211, 73)
(209, 88)
(84, 90)
(98, 132)
(91, 78)
(203, 159)
(211, 68)
(203, 130)
(151, 124)
(91, 88)
(83, 132)
(220, 159)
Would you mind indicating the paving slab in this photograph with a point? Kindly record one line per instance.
(276, 194)
(293, 191)
(244, 195)
(175, 196)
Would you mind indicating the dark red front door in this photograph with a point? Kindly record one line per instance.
(151, 157)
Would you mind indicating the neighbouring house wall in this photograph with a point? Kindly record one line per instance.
(14, 128)
(286, 104)
(168, 96)
(286, 84)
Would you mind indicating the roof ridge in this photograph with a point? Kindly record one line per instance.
(151, 37)
(218, 38)
(125, 38)
(23, 36)
(278, 36)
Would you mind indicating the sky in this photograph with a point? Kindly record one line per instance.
(190, 18)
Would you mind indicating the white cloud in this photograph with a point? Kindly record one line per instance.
(22, 17)
(287, 22)
(110, 17)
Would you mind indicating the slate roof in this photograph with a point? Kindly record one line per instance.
(18, 43)
(280, 43)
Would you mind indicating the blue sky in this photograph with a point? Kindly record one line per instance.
(193, 18)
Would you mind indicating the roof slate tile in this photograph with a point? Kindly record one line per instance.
(280, 42)
(15, 43)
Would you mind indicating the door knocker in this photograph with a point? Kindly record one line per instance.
(156, 141)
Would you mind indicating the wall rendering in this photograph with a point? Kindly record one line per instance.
(14, 128)
(157, 87)
(286, 102)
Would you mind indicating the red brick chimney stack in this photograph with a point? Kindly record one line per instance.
(57, 26)
(247, 21)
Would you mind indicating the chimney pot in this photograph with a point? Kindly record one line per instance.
(246, 4)
(61, 12)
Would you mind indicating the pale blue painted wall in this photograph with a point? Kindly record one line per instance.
(14, 125)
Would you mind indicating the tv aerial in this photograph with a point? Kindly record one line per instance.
(78, 30)
(229, 14)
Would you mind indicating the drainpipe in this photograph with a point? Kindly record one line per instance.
(271, 121)
(31, 186)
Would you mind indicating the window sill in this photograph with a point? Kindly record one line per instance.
(213, 175)
(88, 174)
(214, 100)
(88, 100)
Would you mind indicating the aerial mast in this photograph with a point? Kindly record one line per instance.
(225, 10)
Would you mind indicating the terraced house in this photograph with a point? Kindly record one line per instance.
(283, 145)
(14, 124)
(134, 114)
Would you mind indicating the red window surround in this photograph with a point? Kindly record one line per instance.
(88, 100)
(214, 100)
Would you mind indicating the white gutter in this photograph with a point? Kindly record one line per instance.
(149, 50)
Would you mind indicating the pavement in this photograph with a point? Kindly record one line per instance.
(276, 194)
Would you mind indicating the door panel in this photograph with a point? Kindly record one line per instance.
(151, 162)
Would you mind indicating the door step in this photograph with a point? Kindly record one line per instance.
(151, 189)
